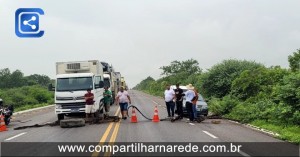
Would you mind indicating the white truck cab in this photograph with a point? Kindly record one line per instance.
(73, 79)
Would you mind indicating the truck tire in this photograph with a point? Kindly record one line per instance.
(60, 117)
(100, 111)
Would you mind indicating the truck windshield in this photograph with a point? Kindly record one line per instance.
(74, 84)
(106, 82)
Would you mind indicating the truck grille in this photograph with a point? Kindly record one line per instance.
(70, 98)
(72, 105)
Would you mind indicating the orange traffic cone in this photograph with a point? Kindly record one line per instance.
(133, 116)
(155, 116)
(2, 124)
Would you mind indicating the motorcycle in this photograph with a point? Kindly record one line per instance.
(6, 112)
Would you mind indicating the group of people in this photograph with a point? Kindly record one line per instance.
(122, 99)
(172, 98)
(175, 97)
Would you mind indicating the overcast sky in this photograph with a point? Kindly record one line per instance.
(139, 36)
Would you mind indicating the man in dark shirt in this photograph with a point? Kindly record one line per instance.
(179, 98)
(89, 100)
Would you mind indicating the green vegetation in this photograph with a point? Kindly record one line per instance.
(24, 92)
(286, 132)
(27, 107)
(294, 61)
(245, 91)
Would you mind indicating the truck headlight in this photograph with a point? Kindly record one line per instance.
(58, 106)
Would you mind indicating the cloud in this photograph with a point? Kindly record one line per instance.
(139, 36)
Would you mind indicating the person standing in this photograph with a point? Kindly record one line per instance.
(1, 102)
(179, 101)
(107, 100)
(195, 103)
(169, 97)
(123, 99)
(89, 103)
(190, 94)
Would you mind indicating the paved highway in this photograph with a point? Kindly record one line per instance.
(124, 131)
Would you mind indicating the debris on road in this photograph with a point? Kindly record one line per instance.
(216, 121)
(38, 125)
(75, 122)
(70, 123)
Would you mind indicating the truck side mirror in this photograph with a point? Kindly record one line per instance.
(50, 87)
(101, 84)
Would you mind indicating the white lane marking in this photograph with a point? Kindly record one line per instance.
(155, 102)
(244, 154)
(209, 134)
(191, 124)
(15, 136)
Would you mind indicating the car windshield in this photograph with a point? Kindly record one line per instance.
(200, 97)
(74, 84)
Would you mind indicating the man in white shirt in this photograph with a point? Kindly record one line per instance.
(190, 94)
(123, 99)
(169, 97)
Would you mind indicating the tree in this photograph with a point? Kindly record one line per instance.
(218, 80)
(251, 82)
(289, 92)
(42, 80)
(294, 61)
(190, 67)
(4, 77)
(11, 80)
(145, 84)
(16, 79)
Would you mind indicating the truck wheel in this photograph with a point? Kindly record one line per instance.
(60, 117)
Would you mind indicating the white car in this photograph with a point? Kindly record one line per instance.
(202, 107)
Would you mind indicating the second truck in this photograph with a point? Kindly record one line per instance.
(110, 79)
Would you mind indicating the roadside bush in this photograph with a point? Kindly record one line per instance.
(222, 106)
(296, 118)
(215, 106)
(289, 92)
(244, 112)
(218, 80)
(30, 101)
(252, 82)
(27, 95)
(40, 94)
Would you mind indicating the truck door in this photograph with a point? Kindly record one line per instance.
(98, 93)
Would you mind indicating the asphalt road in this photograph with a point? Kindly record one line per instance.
(143, 131)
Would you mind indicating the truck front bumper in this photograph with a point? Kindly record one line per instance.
(70, 108)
